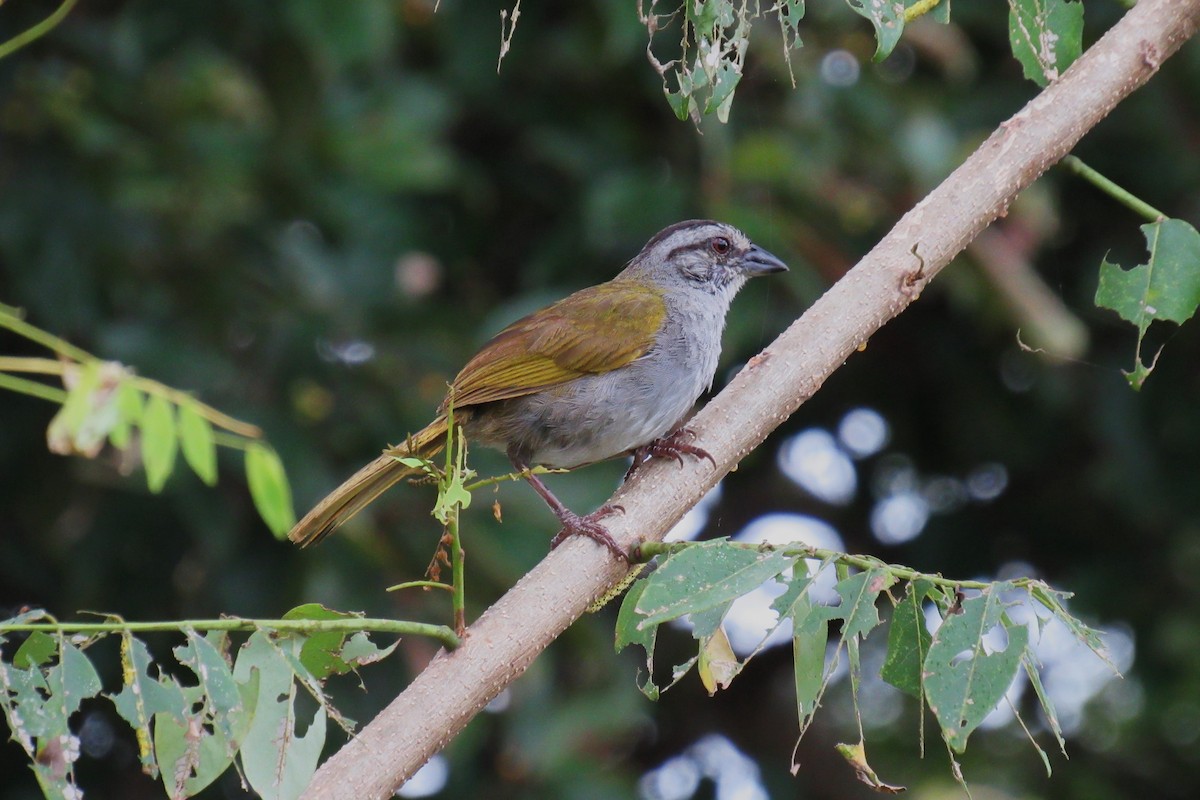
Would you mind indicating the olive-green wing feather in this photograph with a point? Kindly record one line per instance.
(593, 331)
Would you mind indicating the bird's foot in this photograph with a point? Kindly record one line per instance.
(673, 445)
(589, 526)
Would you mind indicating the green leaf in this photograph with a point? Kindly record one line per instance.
(215, 678)
(71, 681)
(414, 462)
(726, 81)
(706, 575)
(1166, 287)
(1046, 36)
(278, 763)
(203, 744)
(680, 102)
(198, 444)
(159, 443)
(23, 700)
(705, 15)
(325, 653)
(130, 405)
(35, 651)
(269, 488)
(142, 697)
(908, 641)
(961, 691)
(707, 622)
(887, 17)
(796, 593)
(453, 497)
(359, 650)
(1089, 637)
(790, 12)
(810, 635)
(1035, 680)
(193, 754)
(630, 631)
(859, 593)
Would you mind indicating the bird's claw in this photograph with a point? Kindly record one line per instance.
(670, 446)
(589, 526)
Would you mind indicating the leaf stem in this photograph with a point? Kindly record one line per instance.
(457, 555)
(37, 31)
(1123, 196)
(11, 318)
(34, 366)
(33, 388)
(218, 418)
(512, 476)
(308, 626)
(420, 585)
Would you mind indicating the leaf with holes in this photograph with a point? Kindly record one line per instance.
(215, 677)
(325, 653)
(859, 593)
(630, 631)
(143, 696)
(278, 761)
(1046, 36)
(38, 703)
(192, 754)
(702, 576)
(963, 681)
(1166, 287)
(887, 17)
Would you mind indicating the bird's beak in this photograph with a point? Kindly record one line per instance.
(760, 262)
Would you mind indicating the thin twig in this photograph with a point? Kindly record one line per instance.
(307, 626)
(33, 388)
(37, 31)
(1123, 196)
(10, 318)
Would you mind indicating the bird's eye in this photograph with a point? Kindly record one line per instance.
(720, 245)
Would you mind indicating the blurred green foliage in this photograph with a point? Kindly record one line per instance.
(310, 214)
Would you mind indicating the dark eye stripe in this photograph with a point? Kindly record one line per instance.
(686, 248)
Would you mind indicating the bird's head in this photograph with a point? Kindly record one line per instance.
(702, 254)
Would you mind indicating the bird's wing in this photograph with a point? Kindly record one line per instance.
(593, 331)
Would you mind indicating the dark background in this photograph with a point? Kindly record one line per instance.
(310, 214)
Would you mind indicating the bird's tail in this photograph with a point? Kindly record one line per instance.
(368, 483)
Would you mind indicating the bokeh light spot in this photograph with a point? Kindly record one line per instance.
(863, 432)
(428, 780)
(814, 461)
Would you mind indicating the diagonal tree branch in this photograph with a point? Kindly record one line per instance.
(503, 642)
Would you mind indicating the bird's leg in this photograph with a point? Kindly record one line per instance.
(572, 523)
(670, 446)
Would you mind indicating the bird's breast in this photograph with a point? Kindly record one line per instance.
(602, 416)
